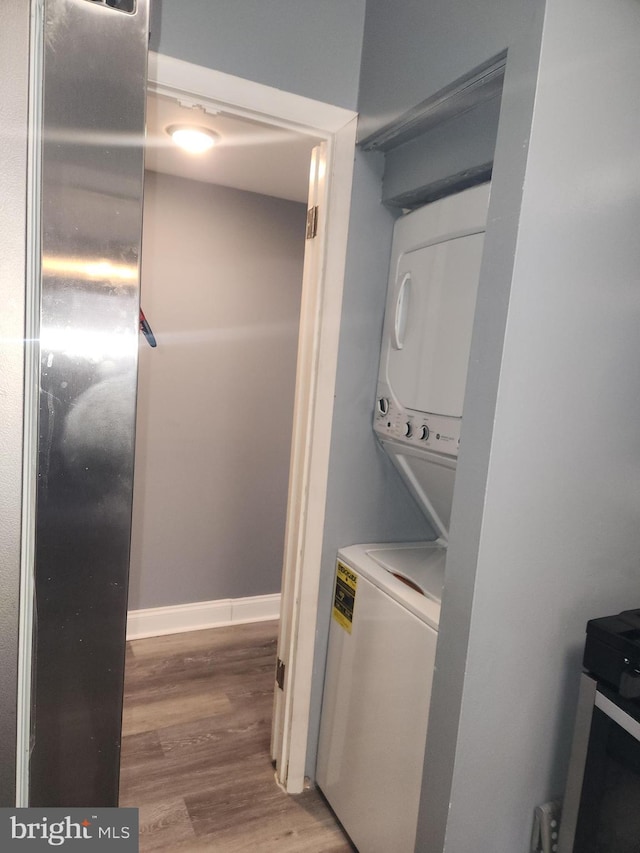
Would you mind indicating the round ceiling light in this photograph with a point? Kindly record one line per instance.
(195, 140)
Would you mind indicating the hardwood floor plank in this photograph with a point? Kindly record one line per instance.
(164, 825)
(141, 748)
(251, 800)
(153, 715)
(250, 636)
(229, 734)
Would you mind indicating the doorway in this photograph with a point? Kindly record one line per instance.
(321, 298)
(222, 267)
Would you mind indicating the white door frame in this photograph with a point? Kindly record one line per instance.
(315, 380)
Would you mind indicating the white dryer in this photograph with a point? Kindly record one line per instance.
(431, 300)
(382, 646)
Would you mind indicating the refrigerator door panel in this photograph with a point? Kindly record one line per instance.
(92, 176)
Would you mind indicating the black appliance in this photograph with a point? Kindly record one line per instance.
(601, 812)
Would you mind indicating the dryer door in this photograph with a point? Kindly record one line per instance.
(432, 312)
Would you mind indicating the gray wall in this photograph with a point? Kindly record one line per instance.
(545, 528)
(310, 47)
(547, 536)
(14, 67)
(452, 156)
(413, 48)
(366, 500)
(221, 285)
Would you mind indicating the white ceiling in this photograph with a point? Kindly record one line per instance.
(249, 156)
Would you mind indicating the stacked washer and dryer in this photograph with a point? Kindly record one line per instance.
(386, 607)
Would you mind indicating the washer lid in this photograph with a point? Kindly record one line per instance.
(390, 565)
(421, 565)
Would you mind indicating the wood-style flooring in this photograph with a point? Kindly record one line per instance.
(195, 750)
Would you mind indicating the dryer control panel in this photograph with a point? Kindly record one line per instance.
(420, 429)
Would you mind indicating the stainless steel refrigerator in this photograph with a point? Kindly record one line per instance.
(91, 126)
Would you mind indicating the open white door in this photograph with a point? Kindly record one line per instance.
(299, 599)
(329, 199)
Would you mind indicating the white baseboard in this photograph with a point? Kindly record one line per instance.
(156, 621)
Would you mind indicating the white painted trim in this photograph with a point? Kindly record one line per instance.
(166, 73)
(158, 621)
(319, 340)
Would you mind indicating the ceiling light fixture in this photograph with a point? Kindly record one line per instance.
(195, 140)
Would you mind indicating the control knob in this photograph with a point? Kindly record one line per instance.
(383, 405)
(424, 432)
(408, 429)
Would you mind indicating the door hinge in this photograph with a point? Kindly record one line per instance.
(312, 222)
(280, 674)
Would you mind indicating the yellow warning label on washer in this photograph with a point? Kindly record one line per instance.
(344, 596)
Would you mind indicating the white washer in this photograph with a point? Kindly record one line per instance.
(382, 646)
(431, 299)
